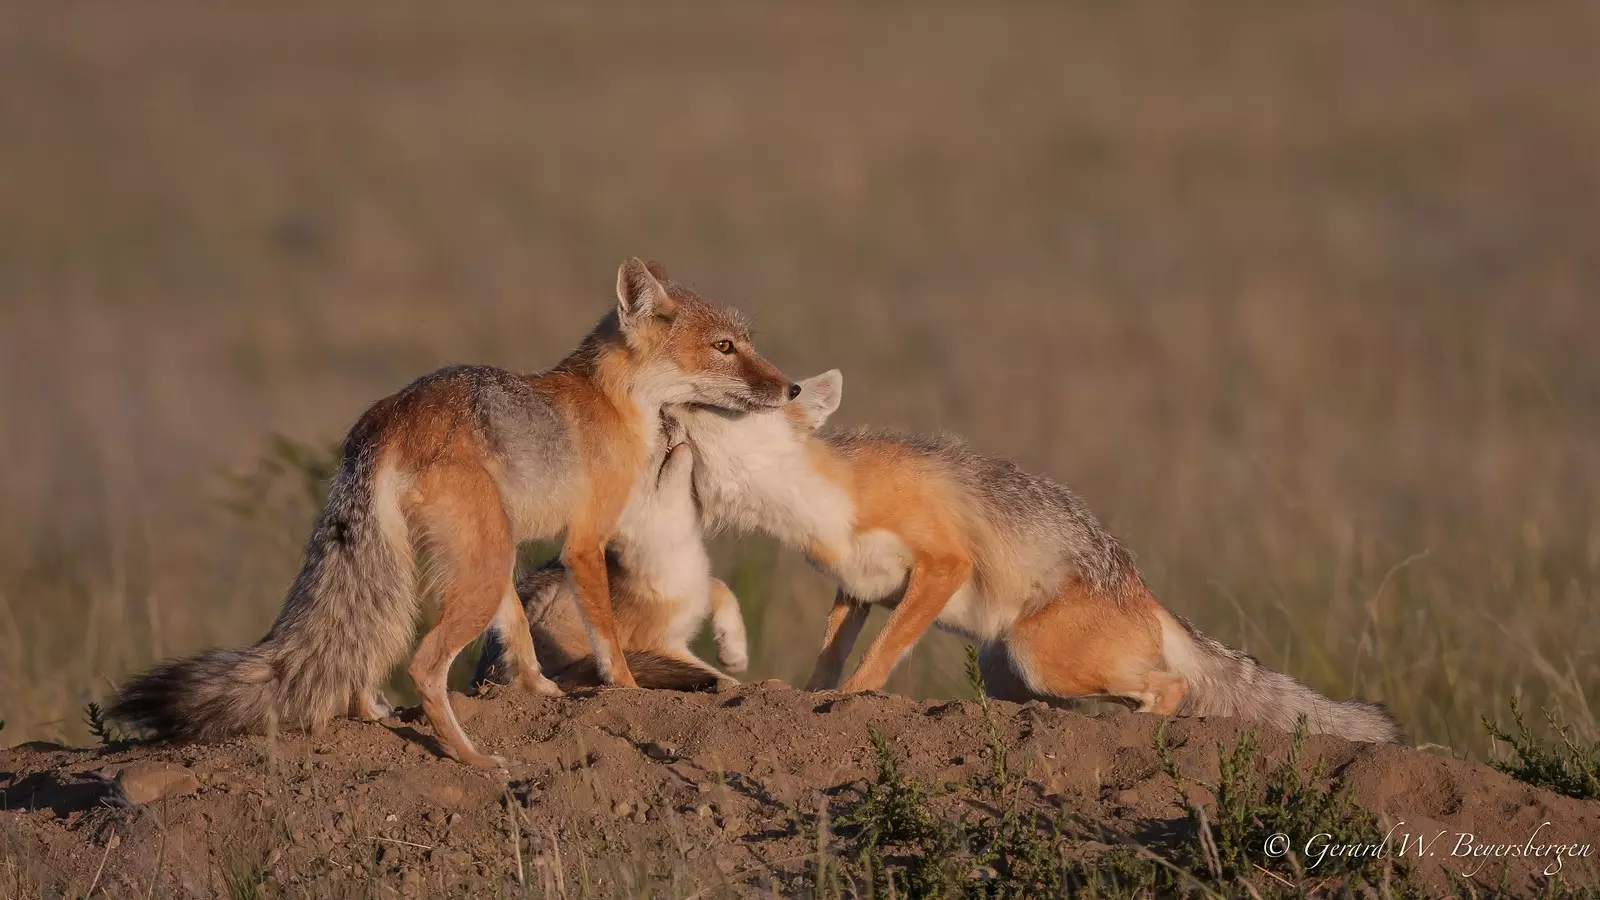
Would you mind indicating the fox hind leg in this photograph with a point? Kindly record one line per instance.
(1086, 645)
(727, 625)
(845, 621)
(516, 640)
(470, 541)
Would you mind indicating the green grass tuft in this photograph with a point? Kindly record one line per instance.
(1572, 768)
(107, 734)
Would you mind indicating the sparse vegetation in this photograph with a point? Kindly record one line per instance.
(1566, 765)
(898, 844)
(1251, 806)
(107, 734)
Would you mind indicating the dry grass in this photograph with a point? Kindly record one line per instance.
(1299, 298)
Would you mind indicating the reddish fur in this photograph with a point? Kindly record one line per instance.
(1115, 640)
(844, 624)
(895, 491)
(455, 509)
(1115, 648)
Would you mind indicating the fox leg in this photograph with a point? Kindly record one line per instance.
(1000, 680)
(516, 640)
(459, 512)
(1084, 644)
(585, 560)
(727, 624)
(934, 580)
(844, 626)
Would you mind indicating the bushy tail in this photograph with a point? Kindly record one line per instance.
(650, 668)
(1225, 682)
(348, 617)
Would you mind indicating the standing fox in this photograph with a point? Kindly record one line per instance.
(661, 592)
(465, 463)
(1013, 561)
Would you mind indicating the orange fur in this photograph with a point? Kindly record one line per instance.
(1115, 640)
(845, 620)
(457, 513)
(1116, 648)
(898, 492)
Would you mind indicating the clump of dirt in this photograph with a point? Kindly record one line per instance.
(678, 794)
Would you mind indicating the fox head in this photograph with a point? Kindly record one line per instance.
(753, 471)
(685, 350)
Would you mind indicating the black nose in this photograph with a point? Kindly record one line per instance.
(794, 391)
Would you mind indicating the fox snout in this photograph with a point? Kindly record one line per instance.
(768, 387)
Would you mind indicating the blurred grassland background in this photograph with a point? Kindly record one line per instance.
(1302, 298)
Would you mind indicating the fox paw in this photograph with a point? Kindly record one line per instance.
(371, 708)
(486, 761)
(541, 686)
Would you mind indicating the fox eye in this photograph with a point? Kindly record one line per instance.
(723, 346)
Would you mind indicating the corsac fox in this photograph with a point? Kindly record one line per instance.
(661, 592)
(1013, 561)
(464, 464)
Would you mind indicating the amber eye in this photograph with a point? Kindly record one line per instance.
(723, 346)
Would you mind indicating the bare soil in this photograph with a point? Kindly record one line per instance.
(613, 791)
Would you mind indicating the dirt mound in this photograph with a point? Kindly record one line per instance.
(688, 794)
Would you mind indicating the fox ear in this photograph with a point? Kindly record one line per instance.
(656, 269)
(819, 396)
(640, 295)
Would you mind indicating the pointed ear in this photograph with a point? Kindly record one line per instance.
(657, 269)
(640, 295)
(819, 396)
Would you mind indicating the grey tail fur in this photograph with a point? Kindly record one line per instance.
(348, 617)
(1225, 682)
(650, 668)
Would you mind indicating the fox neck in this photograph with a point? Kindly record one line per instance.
(755, 474)
(636, 385)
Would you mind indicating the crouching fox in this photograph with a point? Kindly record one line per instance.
(941, 533)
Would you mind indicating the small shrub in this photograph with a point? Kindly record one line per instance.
(107, 734)
(1571, 769)
(894, 842)
(1250, 807)
(899, 846)
(892, 823)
